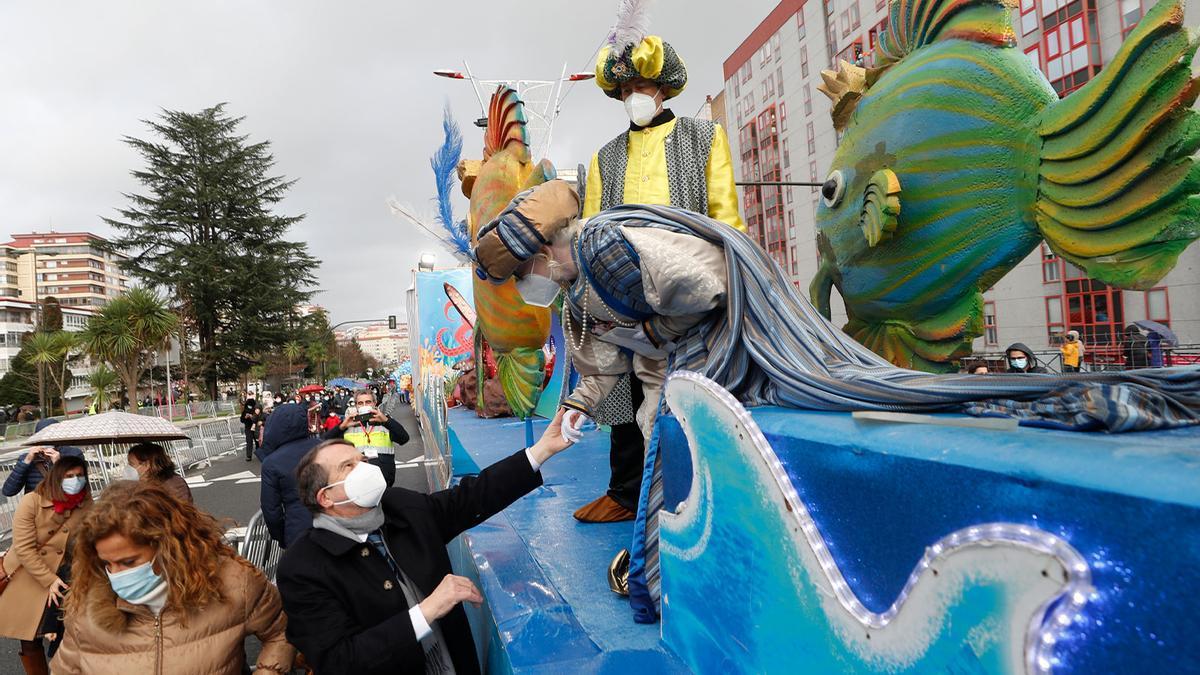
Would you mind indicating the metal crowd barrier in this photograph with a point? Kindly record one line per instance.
(106, 463)
(258, 547)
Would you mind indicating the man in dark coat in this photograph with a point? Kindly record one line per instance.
(285, 442)
(369, 588)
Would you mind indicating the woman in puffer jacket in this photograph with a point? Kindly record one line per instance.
(156, 590)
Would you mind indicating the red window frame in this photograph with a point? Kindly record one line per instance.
(1125, 28)
(1054, 329)
(1037, 49)
(1024, 12)
(1051, 261)
(1166, 321)
(991, 333)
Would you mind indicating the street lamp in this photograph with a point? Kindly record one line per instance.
(426, 262)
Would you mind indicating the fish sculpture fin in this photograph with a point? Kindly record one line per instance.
(542, 173)
(913, 24)
(931, 344)
(881, 207)
(821, 287)
(521, 372)
(506, 125)
(1119, 190)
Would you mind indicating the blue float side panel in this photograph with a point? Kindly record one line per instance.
(882, 493)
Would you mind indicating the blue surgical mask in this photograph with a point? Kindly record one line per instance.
(74, 485)
(1019, 364)
(135, 582)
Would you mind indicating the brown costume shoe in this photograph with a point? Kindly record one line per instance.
(604, 510)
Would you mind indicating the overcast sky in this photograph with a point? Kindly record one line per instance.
(343, 90)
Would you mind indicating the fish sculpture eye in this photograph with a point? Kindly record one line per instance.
(832, 190)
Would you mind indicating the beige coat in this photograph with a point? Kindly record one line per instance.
(110, 636)
(39, 543)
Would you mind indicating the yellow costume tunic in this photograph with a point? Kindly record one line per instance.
(646, 175)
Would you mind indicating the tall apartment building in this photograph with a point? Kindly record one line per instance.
(66, 265)
(387, 346)
(780, 130)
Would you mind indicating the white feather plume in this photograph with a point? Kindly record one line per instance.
(426, 224)
(633, 24)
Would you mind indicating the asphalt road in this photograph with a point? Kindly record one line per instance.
(229, 491)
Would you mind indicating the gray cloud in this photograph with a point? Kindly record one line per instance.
(343, 91)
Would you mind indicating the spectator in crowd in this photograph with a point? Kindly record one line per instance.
(1154, 349)
(1072, 352)
(157, 589)
(331, 421)
(148, 462)
(1135, 347)
(372, 432)
(285, 442)
(42, 525)
(368, 589)
(1021, 359)
(250, 422)
(979, 369)
(30, 467)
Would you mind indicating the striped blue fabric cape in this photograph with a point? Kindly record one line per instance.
(771, 346)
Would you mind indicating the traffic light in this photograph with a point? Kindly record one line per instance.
(392, 322)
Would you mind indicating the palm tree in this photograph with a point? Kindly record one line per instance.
(52, 353)
(102, 380)
(292, 350)
(128, 332)
(318, 352)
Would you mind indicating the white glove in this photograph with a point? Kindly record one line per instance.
(572, 425)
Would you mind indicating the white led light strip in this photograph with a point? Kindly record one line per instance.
(1043, 631)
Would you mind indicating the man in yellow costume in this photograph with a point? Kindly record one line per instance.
(661, 159)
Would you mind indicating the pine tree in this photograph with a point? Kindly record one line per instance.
(204, 231)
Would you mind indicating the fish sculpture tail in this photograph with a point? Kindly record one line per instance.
(1118, 186)
(506, 125)
(522, 372)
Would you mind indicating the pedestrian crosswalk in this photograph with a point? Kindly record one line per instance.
(239, 478)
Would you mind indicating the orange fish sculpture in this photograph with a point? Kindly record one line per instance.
(516, 332)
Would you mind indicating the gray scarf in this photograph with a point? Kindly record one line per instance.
(355, 527)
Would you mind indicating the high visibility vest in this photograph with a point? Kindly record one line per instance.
(378, 439)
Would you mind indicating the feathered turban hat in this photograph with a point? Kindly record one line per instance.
(631, 53)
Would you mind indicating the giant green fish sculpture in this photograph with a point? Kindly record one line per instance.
(958, 160)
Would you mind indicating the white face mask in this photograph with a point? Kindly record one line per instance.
(641, 108)
(130, 473)
(538, 290)
(364, 486)
(74, 485)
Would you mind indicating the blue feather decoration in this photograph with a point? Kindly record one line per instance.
(444, 163)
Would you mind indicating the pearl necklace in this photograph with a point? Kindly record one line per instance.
(585, 316)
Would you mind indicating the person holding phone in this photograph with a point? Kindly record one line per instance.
(35, 464)
(372, 432)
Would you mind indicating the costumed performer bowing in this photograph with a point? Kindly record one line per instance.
(660, 159)
(634, 281)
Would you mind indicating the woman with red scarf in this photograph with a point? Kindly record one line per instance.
(36, 565)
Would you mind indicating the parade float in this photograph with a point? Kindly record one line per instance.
(887, 538)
